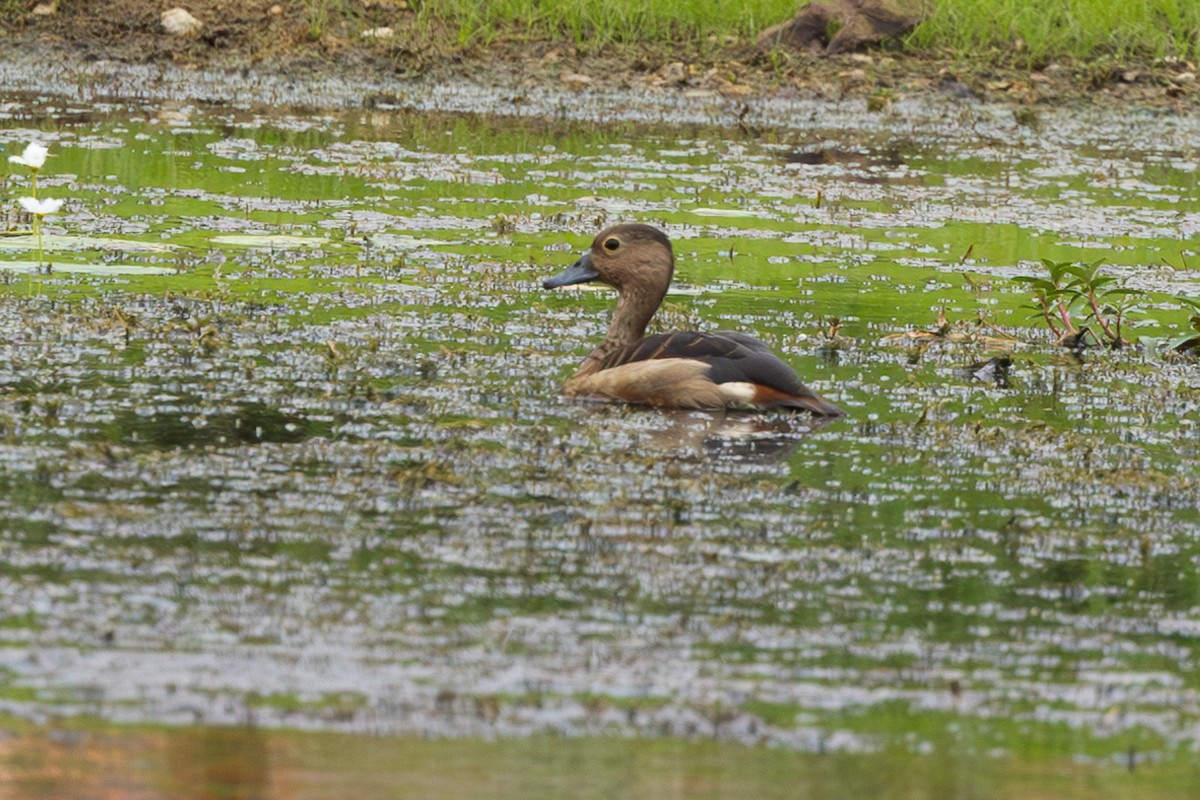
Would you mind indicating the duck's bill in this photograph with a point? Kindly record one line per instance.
(579, 272)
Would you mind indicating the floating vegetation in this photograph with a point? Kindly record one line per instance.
(978, 331)
(271, 241)
(85, 268)
(321, 475)
(69, 243)
(1189, 341)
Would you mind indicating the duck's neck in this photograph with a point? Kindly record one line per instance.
(635, 308)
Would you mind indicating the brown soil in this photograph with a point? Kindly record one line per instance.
(286, 36)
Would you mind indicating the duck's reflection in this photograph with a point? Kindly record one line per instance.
(732, 435)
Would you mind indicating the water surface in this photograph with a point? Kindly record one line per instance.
(283, 445)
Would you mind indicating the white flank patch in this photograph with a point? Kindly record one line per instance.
(738, 394)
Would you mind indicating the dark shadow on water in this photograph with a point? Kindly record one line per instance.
(995, 371)
(250, 423)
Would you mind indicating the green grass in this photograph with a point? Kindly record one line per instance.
(593, 24)
(1083, 29)
(1008, 31)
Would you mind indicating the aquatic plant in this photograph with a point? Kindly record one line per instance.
(958, 332)
(1070, 296)
(1190, 341)
(40, 209)
(33, 157)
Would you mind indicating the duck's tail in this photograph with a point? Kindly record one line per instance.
(817, 405)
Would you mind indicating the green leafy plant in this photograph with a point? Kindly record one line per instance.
(1071, 298)
(1190, 341)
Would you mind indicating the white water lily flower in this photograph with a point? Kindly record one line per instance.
(40, 208)
(33, 157)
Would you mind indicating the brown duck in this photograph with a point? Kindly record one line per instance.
(683, 369)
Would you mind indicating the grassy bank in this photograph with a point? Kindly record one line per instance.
(1082, 29)
(1097, 37)
(595, 24)
(992, 30)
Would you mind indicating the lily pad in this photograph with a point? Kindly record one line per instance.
(69, 242)
(722, 212)
(393, 241)
(86, 268)
(612, 205)
(269, 240)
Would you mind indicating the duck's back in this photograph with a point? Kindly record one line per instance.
(689, 369)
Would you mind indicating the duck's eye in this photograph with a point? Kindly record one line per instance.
(612, 244)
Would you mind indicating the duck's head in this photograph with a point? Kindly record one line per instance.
(630, 258)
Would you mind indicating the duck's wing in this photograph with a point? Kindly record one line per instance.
(744, 371)
(744, 339)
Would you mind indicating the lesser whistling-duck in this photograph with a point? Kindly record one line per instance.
(683, 369)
